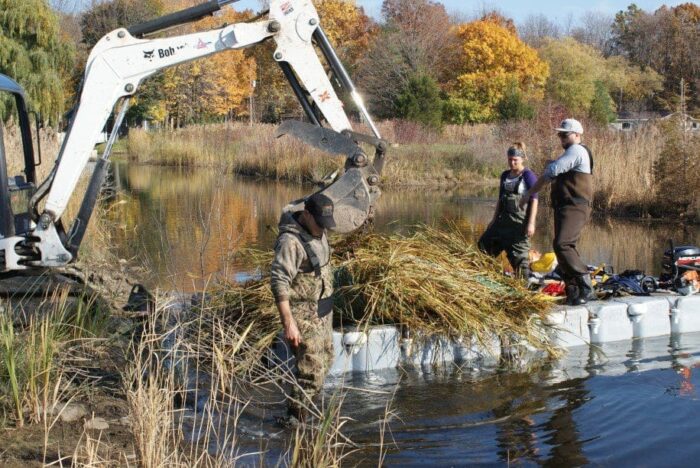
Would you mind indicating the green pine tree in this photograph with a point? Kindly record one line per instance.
(420, 102)
(602, 108)
(513, 106)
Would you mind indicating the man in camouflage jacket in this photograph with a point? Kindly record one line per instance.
(302, 284)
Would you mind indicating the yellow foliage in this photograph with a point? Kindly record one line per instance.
(213, 87)
(347, 27)
(349, 31)
(493, 59)
(221, 84)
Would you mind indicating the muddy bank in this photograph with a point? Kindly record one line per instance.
(66, 342)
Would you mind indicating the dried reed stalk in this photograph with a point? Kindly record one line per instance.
(433, 282)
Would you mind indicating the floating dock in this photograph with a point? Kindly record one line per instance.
(597, 323)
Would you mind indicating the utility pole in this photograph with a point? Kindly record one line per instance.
(684, 129)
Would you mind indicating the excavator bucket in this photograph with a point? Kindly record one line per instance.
(354, 192)
(322, 138)
(353, 200)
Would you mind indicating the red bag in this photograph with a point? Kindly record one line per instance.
(554, 289)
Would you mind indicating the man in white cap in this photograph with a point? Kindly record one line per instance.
(571, 175)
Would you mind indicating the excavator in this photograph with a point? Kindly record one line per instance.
(34, 236)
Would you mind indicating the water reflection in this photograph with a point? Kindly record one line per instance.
(618, 403)
(562, 433)
(516, 437)
(594, 406)
(184, 225)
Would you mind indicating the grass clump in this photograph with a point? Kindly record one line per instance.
(35, 348)
(433, 282)
(436, 281)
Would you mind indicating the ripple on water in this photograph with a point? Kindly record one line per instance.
(637, 407)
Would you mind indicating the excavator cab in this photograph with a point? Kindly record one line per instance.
(17, 165)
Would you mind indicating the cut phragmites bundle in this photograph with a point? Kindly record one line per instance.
(434, 281)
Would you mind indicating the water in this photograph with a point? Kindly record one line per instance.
(629, 403)
(186, 225)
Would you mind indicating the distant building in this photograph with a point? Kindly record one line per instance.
(631, 121)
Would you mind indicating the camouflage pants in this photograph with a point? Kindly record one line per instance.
(314, 355)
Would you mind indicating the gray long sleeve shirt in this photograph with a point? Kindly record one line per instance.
(575, 158)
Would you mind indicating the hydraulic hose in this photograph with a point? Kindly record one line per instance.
(179, 17)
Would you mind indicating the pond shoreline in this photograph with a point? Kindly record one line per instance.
(423, 158)
(624, 212)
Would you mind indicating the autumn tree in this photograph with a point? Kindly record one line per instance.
(492, 60)
(633, 88)
(32, 52)
(496, 17)
(574, 70)
(580, 74)
(212, 88)
(205, 89)
(350, 31)
(595, 30)
(415, 40)
(348, 28)
(665, 41)
(107, 16)
(536, 29)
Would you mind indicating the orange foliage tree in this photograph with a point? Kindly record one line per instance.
(415, 45)
(493, 61)
(350, 31)
(212, 88)
(348, 28)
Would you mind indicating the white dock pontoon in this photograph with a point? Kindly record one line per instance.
(596, 324)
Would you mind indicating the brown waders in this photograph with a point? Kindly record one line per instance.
(569, 221)
(572, 194)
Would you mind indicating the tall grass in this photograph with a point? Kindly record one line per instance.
(235, 148)
(185, 401)
(36, 345)
(625, 162)
(321, 444)
(255, 151)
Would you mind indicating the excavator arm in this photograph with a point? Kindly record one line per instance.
(120, 62)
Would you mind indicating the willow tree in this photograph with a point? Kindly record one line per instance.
(32, 52)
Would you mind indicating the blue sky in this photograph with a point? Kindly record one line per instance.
(517, 9)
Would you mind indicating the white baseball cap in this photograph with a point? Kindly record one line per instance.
(570, 125)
